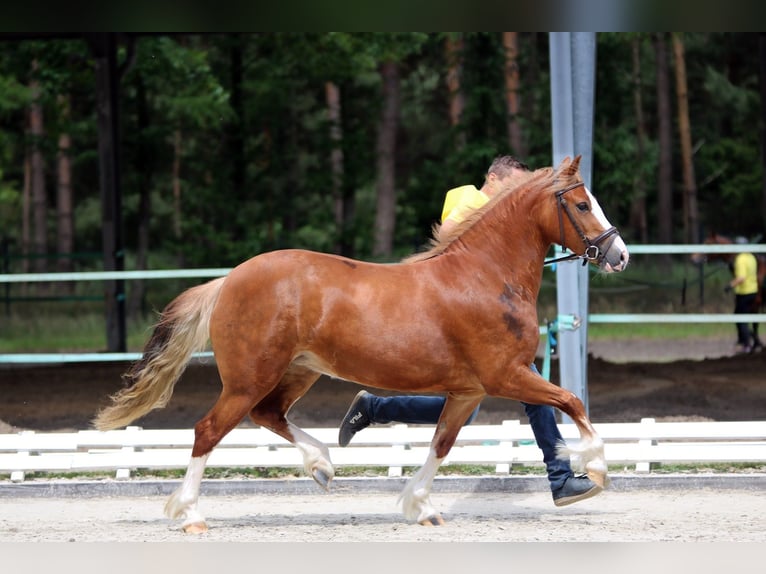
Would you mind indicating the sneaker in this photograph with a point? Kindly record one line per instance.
(575, 489)
(357, 418)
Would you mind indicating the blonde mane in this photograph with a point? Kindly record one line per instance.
(439, 241)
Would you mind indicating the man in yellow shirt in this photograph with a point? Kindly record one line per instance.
(745, 286)
(367, 408)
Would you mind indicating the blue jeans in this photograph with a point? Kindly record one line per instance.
(421, 409)
(745, 304)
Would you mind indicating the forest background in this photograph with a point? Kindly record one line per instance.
(236, 144)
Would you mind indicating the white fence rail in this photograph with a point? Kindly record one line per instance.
(511, 443)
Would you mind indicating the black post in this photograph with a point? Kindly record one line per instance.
(104, 46)
(7, 269)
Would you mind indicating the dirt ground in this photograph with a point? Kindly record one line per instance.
(628, 380)
(694, 379)
(643, 516)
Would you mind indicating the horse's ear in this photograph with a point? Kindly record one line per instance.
(569, 166)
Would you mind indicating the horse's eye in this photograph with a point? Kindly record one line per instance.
(583, 207)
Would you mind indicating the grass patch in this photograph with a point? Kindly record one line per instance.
(645, 287)
(628, 331)
(378, 471)
(80, 329)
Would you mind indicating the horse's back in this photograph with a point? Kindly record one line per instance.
(308, 287)
(379, 324)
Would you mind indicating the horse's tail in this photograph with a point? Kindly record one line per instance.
(182, 330)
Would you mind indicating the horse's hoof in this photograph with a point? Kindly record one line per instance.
(435, 520)
(322, 478)
(600, 479)
(195, 528)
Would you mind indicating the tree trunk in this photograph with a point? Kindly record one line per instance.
(39, 197)
(665, 181)
(691, 213)
(342, 187)
(176, 179)
(26, 211)
(332, 98)
(64, 200)
(143, 159)
(762, 52)
(385, 216)
(236, 130)
(638, 219)
(511, 46)
(453, 50)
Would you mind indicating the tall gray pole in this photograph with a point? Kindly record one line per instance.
(573, 67)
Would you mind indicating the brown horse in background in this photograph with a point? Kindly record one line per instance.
(460, 319)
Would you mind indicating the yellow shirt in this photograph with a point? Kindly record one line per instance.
(745, 265)
(460, 201)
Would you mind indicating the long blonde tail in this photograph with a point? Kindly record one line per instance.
(182, 330)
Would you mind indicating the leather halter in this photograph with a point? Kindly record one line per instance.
(593, 250)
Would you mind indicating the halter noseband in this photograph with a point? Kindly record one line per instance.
(593, 250)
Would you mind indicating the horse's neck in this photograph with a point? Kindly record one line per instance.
(509, 240)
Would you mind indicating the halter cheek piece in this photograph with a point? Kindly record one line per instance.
(593, 247)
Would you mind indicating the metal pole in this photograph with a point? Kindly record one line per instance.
(572, 92)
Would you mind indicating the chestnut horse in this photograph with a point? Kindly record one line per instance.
(460, 319)
(728, 258)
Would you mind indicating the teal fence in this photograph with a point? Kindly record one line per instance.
(28, 358)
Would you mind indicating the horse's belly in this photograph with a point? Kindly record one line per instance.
(383, 374)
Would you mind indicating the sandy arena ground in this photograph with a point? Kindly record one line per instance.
(699, 515)
(627, 381)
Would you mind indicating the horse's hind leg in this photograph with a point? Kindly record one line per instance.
(271, 413)
(227, 412)
(416, 496)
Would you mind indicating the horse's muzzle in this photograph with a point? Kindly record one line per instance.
(615, 258)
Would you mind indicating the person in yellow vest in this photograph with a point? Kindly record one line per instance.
(367, 408)
(745, 287)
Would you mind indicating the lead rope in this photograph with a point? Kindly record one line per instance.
(569, 257)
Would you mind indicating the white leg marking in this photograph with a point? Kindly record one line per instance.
(415, 498)
(183, 502)
(587, 456)
(316, 456)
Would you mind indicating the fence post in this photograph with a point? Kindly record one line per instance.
(396, 471)
(645, 465)
(104, 46)
(7, 269)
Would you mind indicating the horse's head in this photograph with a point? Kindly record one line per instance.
(583, 227)
(713, 239)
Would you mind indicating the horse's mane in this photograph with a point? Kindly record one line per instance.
(440, 239)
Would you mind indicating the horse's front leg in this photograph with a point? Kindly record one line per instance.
(527, 386)
(588, 454)
(416, 496)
